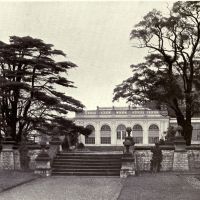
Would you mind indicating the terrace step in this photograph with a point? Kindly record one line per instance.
(86, 164)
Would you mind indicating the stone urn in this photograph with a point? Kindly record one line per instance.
(179, 130)
(179, 142)
(128, 141)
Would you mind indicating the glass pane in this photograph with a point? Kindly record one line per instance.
(137, 127)
(105, 133)
(121, 128)
(153, 127)
(119, 135)
(138, 140)
(123, 134)
(105, 140)
(153, 140)
(89, 140)
(105, 128)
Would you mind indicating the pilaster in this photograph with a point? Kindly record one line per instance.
(145, 132)
(113, 133)
(97, 133)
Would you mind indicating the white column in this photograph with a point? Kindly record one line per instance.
(145, 133)
(97, 134)
(81, 139)
(164, 126)
(113, 134)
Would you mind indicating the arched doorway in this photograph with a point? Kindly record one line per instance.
(153, 134)
(137, 134)
(121, 132)
(91, 138)
(105, 134)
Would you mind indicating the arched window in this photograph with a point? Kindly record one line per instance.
(105, 134)
(153, 134)
(91, 138)
(121, 132)
(137, 134)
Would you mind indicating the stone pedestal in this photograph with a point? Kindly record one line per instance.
(55, 147)
(128, 166)
(7, 158)
(43, 166)
(179, 143)
(180, 161)
(128, 161)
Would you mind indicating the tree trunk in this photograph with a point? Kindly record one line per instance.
(188, 124)
(187, 129)
(188, 133)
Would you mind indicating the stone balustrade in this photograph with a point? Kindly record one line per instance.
(133, 112)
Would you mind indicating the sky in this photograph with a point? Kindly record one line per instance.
(93, 34)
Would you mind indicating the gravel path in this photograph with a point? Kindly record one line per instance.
(144, 187)
(67, 188)
(160, 187)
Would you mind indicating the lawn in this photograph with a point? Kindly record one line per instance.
(9, 179)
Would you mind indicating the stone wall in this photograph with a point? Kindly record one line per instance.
(194, 158)
(17, 164)
(144, 155)
(143, 158)
(13, 157)
(7, 160)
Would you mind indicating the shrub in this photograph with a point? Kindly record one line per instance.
(171, 131)
(80, 146)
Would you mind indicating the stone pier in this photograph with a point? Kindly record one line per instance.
(180, 160)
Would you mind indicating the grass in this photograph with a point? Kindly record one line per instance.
(10, 179)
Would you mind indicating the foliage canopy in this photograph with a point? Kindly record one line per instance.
(170, 74)
(30, 83)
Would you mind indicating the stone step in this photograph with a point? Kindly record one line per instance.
(91, 152)
(87, 164)
(90, 156)
(86, 160)
(85, 173)
(83, 170)
(106, 148)
(86, 167)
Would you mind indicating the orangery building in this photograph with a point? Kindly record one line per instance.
(108, 125)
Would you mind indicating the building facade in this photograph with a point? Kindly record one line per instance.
(195, 131)
(108, 125)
